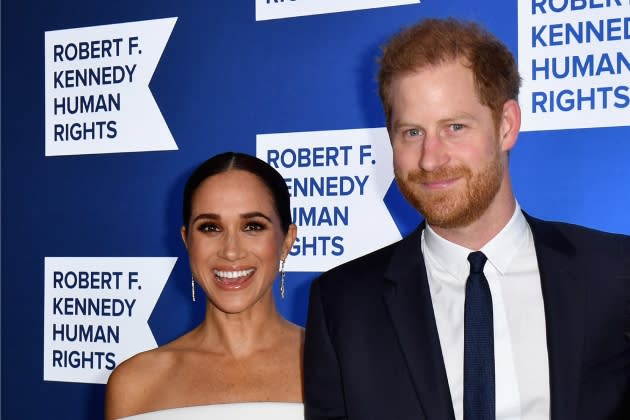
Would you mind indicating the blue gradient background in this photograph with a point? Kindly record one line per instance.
(222, 79)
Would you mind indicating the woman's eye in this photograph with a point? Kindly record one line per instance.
(208, 227)
(253, 226)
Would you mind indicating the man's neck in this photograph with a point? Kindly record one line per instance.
(478, 233)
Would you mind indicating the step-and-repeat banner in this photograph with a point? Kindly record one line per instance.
(106, 109)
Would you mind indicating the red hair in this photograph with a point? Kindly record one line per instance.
(435, 41)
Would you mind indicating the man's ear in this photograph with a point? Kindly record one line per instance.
(509, 125)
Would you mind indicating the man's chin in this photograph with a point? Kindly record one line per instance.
(447, 213)
(448, 222)
(444, 221)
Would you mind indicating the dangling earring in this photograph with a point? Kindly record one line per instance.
(192, 286)
(282, 289)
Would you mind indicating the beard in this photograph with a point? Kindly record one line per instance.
(453, 208)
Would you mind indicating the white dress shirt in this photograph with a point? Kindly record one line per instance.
(520, 344)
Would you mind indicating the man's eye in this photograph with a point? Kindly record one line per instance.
(413, 132)
(457, 127)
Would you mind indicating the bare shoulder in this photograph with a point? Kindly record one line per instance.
(299, 334)
(133, 382)
(293, 335)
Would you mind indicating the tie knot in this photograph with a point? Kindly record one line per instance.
(477, 260)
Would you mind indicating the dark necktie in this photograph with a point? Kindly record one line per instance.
(479, 388)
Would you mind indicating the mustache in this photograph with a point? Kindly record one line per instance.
(440, 174)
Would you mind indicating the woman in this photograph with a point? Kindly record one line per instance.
(237, 231)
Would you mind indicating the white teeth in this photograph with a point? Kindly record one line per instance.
(233, 274)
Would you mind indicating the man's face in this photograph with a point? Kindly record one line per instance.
(448, 159)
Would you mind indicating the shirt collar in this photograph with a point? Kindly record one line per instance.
(500, 250)
(448, 256)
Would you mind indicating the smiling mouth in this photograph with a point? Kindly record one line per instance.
(232, 276)
(439, 184)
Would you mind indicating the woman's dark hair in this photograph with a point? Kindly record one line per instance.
(244, 162)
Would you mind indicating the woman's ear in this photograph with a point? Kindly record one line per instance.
(184, 232)
(289, 239)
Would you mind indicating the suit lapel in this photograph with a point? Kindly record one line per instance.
(408, 300)
(564, 300)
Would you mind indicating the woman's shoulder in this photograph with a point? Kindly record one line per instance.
(293, 332)
(144, 365)
(138, 378)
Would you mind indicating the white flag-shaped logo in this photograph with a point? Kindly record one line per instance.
(278, 9)
(97, 89)
(96, 311)
(337, 181)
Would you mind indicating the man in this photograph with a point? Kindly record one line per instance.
(535, 326)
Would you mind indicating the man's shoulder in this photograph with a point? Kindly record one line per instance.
(575, 229)
(369, 263)
(368, 268)
(578, 237)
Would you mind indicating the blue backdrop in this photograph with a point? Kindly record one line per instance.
(223, 79)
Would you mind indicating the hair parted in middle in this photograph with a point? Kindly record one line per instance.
(224, 162)
(435, 41)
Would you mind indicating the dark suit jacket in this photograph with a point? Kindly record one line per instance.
(372, 349)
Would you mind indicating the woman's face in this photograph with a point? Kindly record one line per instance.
(235, 240)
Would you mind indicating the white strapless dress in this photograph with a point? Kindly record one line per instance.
(231, 411)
